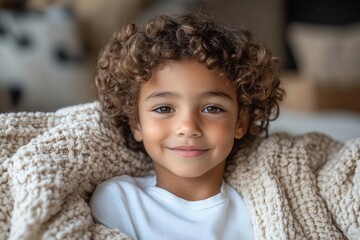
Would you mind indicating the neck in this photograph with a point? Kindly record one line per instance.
(191, 189)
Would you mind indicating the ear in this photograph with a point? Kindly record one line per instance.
(241, 125)
(136, 129)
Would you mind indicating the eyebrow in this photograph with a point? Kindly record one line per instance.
(217, 94)
(176, 95)
(161, 95)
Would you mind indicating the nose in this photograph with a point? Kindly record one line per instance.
(189, 126)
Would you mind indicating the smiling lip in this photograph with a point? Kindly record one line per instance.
(188, 151)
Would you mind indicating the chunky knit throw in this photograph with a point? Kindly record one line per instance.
(303, 187)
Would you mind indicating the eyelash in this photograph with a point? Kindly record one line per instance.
(217, 109)
(161, 109)
(167, 109)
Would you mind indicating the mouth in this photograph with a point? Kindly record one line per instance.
(188, 151)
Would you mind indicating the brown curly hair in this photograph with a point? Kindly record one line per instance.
(133, 52)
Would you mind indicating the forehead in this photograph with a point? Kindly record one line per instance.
(188, 77)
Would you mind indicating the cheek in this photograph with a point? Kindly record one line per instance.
(153, 132)
(153, 128)
(223, 135)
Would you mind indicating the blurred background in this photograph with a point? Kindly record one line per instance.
(48, 52)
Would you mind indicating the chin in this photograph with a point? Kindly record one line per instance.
(186, 173)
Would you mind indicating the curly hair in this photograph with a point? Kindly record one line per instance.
(133, 52)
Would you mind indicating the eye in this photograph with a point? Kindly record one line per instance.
(164, 109)
(212, 109)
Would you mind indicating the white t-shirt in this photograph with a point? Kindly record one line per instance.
(143, 211)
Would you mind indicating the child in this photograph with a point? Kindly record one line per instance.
(190, 93)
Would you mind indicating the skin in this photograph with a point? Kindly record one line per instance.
(188, 118)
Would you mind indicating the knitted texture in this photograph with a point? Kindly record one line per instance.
(303, 187)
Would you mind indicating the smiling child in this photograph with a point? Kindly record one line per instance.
(190, 93)
(185, 89)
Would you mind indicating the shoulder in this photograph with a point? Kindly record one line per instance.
(124, 183)
(121, 188)
(116, 196)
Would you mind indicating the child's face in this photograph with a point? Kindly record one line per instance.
(188, 119)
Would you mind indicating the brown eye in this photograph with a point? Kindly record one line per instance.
(164, 109)
(212, 109)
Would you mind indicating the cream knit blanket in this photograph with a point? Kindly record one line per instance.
(305, 187)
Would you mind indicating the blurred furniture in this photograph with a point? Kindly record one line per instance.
(305, 94)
